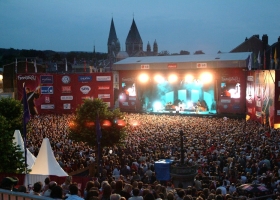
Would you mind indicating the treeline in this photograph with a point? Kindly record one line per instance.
(10, 55)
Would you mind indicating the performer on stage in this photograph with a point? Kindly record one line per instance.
(197, 106)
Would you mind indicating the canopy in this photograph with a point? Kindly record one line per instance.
(30, 158)
(46, 163)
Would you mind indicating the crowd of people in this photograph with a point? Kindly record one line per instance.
(228, 152)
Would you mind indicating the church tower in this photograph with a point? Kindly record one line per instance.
(133, 41)
(155, 48)
(148, 47)
(113, 43)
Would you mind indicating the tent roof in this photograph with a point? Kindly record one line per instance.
(219, 60)
(46, 163)
(30, 158)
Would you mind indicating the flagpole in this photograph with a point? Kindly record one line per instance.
(26, 118)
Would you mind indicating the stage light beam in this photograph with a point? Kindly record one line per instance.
(172, 78)
(206, 77)
(143, 78)
(189, 78)
(159, 78)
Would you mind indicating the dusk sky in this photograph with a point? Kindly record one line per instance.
(191, 25)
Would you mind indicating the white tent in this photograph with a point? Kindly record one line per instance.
(30, 158)
(46, 163)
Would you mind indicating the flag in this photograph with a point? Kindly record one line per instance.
(66, 67)
(264, 60)
(16, 66)
(35, 66)
(26, 113)
(259, 58)
(26, 69)
(98, 128)
(275, 57)
(250, 62)
(26, 118)
(85, 66)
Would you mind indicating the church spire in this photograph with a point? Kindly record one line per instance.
(112, 35)
(133, 40)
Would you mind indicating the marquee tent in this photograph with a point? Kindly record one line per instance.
(30, 158)
(46, 163)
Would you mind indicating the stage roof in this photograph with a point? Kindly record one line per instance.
(219, 60)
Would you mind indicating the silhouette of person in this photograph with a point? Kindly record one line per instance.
(31, 97)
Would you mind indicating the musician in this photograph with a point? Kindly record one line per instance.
(31, 97)
(197, 106)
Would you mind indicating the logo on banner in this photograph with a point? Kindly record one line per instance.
(47, 90)
(66, 98)
(66, 106)
(201, 65)
(171, 65)
(47, 99)
(250, 78)
(145, 66)
(103, 78)
(85, 78)
(85, 89)
(233, 78)
(46, 79)
(27, 77)
(66, 89)
(65, 79)
(87, 97)
(103, 87)
(47, 106)
(103, 96)
(225, 101)
(250, 110)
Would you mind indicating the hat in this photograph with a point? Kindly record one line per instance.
(8, 182)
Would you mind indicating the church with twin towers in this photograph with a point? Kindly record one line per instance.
(133, 44)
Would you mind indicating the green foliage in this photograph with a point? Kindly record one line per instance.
(83, 129)
(12, 160)
(12, 110)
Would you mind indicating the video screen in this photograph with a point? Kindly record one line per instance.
(231, 90)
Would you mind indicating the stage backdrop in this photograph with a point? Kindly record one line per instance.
(261, 97)
(224, 94)
(62, 93)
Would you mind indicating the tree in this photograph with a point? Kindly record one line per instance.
(83, 128)
(12, 159)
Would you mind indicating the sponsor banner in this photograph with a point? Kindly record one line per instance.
(235, 79)
(128, 79)
(132, 98)
(103, 96)
(201, 65)
(103, 87)
(225, 101)
(85, 89)
(26, 77)
(84, 79)
(87, 97)
(125, 103)
(278, 83)
(145, 66)
(47, 99)
(259, 103)
(66, 98)
(47, 106)
(103, 78)
(278, 112)
(250, 78)
(236, 107)
(46, 79)
(172, 66)
(47, 90)
(66, 106)
(66, 89)
(66, 79)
